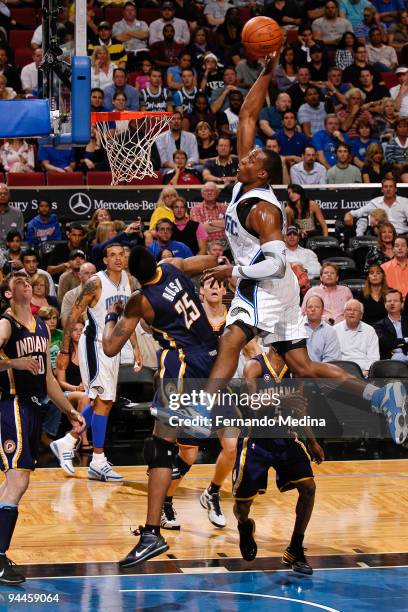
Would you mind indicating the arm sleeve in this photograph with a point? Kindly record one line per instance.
(273, 266)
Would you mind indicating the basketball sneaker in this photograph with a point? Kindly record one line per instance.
(247, 544)
(211, 502)
(390, 400)
(193, 412)
(169, 517)
(150, 545)
(65, 454)
(296, 559)
(8, 575)
(103, 472)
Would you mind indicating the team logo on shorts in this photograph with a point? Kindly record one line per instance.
(9, 446)
(236, 311)
(170, 389)
(267, 377)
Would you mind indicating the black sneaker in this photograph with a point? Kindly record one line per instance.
(247, 544)
(169, 517)
(8, 575)
(296, 559)
(149, 545)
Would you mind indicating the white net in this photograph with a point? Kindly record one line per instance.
(128, 144)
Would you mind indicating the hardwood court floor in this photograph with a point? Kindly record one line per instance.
(361, 507)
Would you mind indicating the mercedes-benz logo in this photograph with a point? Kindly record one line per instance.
(80, 203)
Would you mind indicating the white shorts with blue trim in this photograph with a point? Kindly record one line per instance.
(99, 373)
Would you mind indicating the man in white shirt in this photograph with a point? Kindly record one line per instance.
(308, 171)
(399, 93)
(29, 73)
(322, 343)
(358, 341)
(396, 207)
(181, 31)
(297, 254)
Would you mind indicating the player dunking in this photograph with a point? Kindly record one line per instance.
(168, 303)
(267, 296)
(26, 378)
(98, 372)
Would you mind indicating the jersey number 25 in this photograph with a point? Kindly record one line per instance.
(186, 307)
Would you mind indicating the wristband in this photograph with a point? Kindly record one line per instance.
(111, 316)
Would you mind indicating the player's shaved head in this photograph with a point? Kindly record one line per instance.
(142, 264)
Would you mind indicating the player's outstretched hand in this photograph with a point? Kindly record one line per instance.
(26, 363)
(77, 421)
(220, 273)
(316, 451)
(271, 62)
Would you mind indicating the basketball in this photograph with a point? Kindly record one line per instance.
(260, 36)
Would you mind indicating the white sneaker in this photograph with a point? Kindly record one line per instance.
(103, 471)
(65, 454)
(169, 517)
(212, 504)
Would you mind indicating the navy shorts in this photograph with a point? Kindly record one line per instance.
(20, 433)
(288, 457)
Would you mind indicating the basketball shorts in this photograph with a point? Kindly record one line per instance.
(99, 373)
(288, 457)
(20, 433)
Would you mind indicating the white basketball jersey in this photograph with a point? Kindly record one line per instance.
(110, 293)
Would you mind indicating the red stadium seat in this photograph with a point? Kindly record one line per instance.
(66, 178)
(99, 178)
(390, 79)
(147, 180)
(149, 14)
(113, 13)
(292, 36)
(245, 14)
(25, 179)
(131, 78)
(20, 38)
(2, 177)
(23, 56)
(24, 16)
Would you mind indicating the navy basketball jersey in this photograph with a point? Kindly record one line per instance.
(219, 328)
(25, 342)
(180, 320)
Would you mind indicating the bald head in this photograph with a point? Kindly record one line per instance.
(210, 192)
(353, 313)
(86, 271)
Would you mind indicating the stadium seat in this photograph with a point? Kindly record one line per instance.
(113, 13)
(386, 368)
(349, 366)
(24, 16)
(20, 38)
(149, 14)
(390, 79)
(25, 179)
(354, 284)
(131, 78)
(23, 56)
(99, 178)
(147, 180)
(358, 249)
(346, 266)
(292, 36)
(245, 14)
(325, 247)
(128, 375)
(2, 177)
(66, 178)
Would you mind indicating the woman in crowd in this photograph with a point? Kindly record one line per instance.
(386, 119)
(383, 251)
(101, 215)
(206, 141)
(164, 254)
(143, 80)
(199, 47)
(305, 213)
(375, 168)
(16, 155)
(345, 50)
(285, 72)
(372, 295)
(201, 112)
(354, 113)
(41, 297)
(6, 93)
(101, 68)
(164, 207)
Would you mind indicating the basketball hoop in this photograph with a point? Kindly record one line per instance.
(128, 138)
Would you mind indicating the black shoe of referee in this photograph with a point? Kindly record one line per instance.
(8, 574)
(150, 545)
(247, 544)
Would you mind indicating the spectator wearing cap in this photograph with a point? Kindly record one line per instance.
(70, 278)
(119, 85)
(164, 233)
(298, 254)
(330, 28)
(58, 261)
(312, 113)
(308, 171)
(45, 226)
(116, 49)
(181, 31)
(381, 56)
(131, 32)
(212, 77)
(399, 93)
(343, 172)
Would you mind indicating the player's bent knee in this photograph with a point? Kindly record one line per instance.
(307, 487)
(158, 453)
(183, 467)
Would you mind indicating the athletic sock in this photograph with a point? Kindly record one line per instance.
(296, 541)
(8, 520)
(213, 488)
(168, 499)
(87, 413)
(98, 458)
(70, 440)
(99, 424)
(155, 529)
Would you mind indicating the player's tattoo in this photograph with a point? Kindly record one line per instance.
(119, 330)
(87, 290)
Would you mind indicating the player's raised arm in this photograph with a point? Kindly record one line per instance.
(252, 106)
(193, 265)
(117, 331)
